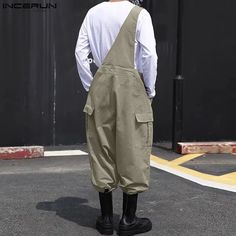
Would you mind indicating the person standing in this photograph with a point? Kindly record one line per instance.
(118, 109)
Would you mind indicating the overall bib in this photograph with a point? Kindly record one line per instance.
(119, 118)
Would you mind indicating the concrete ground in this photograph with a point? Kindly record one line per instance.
(53, 196)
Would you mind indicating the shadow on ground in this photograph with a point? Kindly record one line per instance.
(74, 209)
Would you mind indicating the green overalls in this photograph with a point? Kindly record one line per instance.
(119, 118)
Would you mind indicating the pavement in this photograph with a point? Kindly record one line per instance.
(53, 196)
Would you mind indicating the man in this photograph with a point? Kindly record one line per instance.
(119, 116)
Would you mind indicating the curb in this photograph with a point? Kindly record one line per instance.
(29, 152)
(206, 147)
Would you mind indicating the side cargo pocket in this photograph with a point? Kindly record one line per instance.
(147, 120)
(88, 112)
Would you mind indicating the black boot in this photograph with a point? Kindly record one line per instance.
(130, 224)
(104, 222)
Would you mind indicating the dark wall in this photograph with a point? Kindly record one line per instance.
(42, 98)
(70, 95)
(209, 48)
(164, 15)
(26, 74)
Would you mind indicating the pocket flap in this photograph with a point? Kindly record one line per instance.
(88, 109)
(144, 117)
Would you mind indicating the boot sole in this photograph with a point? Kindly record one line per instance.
(133, 232)
(104, 230)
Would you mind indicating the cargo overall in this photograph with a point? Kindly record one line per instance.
(119, 118)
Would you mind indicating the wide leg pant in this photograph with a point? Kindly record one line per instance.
(119, 130)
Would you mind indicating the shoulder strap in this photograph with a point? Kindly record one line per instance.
(124, 42)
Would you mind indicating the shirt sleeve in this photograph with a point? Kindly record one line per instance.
(82, 51)
(149, 58)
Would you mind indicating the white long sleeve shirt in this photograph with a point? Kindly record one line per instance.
(98, 32)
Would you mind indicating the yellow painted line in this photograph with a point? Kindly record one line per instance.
(225, 182)
(231, 176)
(185, 158)
(195, 173)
